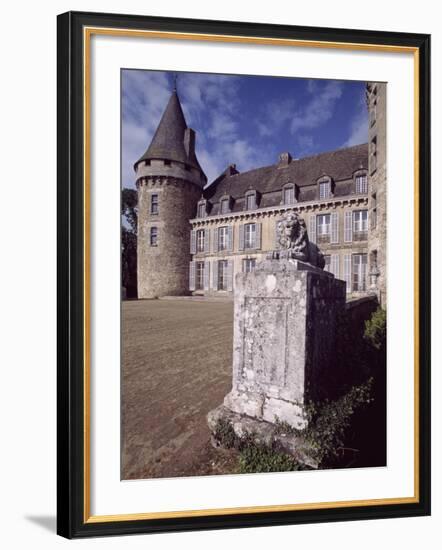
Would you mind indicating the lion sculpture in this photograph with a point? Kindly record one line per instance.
(294, 243)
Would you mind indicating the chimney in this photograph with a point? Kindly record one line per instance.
(284, 159)
(189, 142)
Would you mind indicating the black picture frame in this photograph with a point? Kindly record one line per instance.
(73, 521)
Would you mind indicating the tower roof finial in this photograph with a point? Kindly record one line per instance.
(175, 78)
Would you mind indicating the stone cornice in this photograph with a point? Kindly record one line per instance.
(331, 203)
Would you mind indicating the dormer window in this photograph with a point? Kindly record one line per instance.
(289, 194)
(225, 204)
(201, 209)
(325, 188)
(361, 183)
(251, 202)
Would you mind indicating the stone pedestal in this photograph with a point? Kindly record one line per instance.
(284, 341)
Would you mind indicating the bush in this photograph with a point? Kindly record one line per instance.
(376, 329)
(255, 459)
(329, 421)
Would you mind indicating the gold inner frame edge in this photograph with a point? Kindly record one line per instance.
(87, 33)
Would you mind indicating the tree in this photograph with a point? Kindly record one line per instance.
(129, 213)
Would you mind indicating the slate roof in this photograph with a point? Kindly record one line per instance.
(339, 165)
(168, 140)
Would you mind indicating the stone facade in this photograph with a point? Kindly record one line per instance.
(169, 183)
(377, 169)
(229, 226)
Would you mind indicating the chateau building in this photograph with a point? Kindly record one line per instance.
(194, 237)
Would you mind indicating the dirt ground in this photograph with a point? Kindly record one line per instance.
(176, 366)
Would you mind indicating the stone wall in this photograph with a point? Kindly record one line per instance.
(377, 165)
(164, 269)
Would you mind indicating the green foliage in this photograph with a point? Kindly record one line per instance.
(129, 212)
(329, 421)
(224, 434)
(256, 458)
(376, 329)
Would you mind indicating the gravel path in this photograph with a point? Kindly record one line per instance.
(176, 366)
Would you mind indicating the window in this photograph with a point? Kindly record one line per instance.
(223, 236)
(250, 201)
(327, 259)
(373, 113)
(222, 275)
(167, 163)
(199, 282)
(154, 203)
(154, 236)
(359, 272)
(225, 206)
(324, 189)
(248, 265)
(200, 240)
(373, 154)
(374, 211)
(250, 235)
(201, 210)
(289, 195)
(323, 221)
(360, 221)
(361, 184)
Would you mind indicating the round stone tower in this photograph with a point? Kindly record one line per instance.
(169, 182)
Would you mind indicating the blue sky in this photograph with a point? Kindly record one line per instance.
(246, 120)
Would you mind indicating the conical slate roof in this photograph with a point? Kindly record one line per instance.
(168, 140)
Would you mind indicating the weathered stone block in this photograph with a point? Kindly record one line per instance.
(284, 336)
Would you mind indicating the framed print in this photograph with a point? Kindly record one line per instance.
(243, 274)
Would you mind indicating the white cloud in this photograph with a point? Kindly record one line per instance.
(318, 110)
(358, 129)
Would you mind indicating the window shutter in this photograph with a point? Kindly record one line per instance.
(230, 275)
(348, 226)
(334, 227)
(192, 275)
(241, 237)
(335, 265)
(215, 275)
(230, 238)
(258, 235)
(206, 275)
(347, 271)
(215, 239)
(193, 241)
(312, 235)
(206, 240)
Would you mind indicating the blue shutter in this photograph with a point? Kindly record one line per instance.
(193, 241)
(347, 271)
(348, 226)
(241, 237)
(230, 238)
(312, 233)
(206, 240)
(215, 239)
(334, 238)
(230, 275)
(192, 275)
(215, 275)
(257, 235)
(206, 275)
